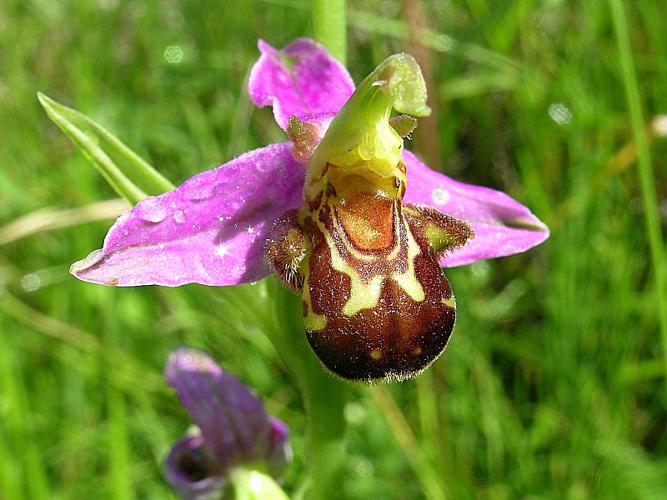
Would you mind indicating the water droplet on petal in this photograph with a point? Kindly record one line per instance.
(200, 191)
(440, 196)
(222, 250)
(267, 166)
(151, 209)
(179, 216)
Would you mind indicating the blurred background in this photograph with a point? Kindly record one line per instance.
(553, 383)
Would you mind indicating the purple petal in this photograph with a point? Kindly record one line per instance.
(190, 472)
(233, 422)
(302, 79)
(210, 230)
(502, 225)
(280, 451)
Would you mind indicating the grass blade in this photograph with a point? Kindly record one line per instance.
(647, 184)
(127, 173)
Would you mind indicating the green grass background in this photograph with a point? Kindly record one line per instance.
(553, 384)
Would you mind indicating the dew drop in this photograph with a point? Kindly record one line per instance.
(222, 250)
(440, 196)
(151, 209)
(179, 216)
(266, 166)
(201, 192)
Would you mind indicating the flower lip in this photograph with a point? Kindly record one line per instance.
(349, 183)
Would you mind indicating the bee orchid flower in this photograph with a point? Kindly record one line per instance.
(340, 212)
(234, 433)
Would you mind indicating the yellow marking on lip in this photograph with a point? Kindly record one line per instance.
(311, 320)
(450, 302)
(408, 280)
(362, 295)
(366, 294)
(314, 322)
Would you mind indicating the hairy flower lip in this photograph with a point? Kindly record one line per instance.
(212, 229)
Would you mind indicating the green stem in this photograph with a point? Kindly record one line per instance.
(249, 484)
(323, 396)
(647, 184)
(329, 26)
(120, 486)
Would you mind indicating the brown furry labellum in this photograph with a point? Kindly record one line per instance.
(376, 304)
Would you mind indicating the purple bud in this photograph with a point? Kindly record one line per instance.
(280, 451)
(235, 428)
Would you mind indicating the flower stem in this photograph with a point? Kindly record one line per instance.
(249, 484)
(323, 396)
(324, 399)
(329, 26)
(646, 181)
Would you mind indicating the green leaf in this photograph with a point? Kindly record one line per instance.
(127, 173)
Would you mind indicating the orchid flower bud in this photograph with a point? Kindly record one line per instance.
(235, 433)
